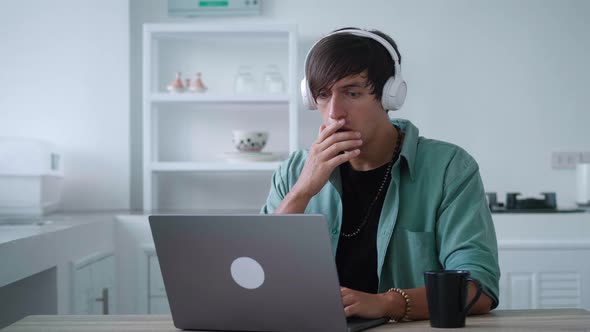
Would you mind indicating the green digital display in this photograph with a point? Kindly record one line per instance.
(213, 3)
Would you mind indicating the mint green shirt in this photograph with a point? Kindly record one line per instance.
(435, 215)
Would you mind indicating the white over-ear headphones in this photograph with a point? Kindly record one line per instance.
(394, 90)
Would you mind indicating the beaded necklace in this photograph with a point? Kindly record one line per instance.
(385, 179)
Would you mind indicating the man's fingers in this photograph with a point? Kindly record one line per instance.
(340, 136)
(330, 129)
(347, 300)
(322, 127)
(340, 147)
(351, 310)
(350, 139)
(344, 157)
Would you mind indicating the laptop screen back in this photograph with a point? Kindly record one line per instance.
(249, 272)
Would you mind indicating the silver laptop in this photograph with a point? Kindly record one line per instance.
(251, 273)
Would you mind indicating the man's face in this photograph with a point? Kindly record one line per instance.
(350, 99)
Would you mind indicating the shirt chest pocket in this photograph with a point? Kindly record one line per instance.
(413, 253)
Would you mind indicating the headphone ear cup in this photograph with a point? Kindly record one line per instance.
(394, 93)
(306, 95)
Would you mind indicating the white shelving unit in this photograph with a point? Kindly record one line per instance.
(211, 49)
(227, 98)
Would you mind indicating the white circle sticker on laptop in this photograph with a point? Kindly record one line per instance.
(247, 272)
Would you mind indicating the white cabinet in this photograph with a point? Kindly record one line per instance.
(544, 275)
(93, 280)
(155, 277)
(159, 306)
(157, 299)
(191, 132)
(153, 298)
(544, 260)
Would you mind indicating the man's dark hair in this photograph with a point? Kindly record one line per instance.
(341, 55)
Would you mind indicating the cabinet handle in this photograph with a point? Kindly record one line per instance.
(105, 301)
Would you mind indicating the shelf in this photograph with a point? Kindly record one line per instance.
(174, 47)
(217, 98)
(220, 166)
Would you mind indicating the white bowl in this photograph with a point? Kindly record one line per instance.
(249, 140)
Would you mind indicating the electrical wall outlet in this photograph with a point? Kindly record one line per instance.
(568, 160)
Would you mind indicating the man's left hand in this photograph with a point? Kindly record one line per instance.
(362, 304)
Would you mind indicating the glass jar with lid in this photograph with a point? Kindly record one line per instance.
(273, 81)
(245, 83)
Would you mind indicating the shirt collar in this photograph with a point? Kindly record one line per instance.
(410, 143)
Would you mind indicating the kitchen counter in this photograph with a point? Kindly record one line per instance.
(32, 246)
(13, 228)
(572, 210)
(512, 225)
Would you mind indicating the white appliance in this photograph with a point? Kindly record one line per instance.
(192, 8)
(31, 176)
(583, 184)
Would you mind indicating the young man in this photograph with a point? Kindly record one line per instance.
(397, 204)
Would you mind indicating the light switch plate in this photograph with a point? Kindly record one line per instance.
(568, 160)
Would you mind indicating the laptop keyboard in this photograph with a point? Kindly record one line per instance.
(359, 324)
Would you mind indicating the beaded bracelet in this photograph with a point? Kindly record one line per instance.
(408, 306)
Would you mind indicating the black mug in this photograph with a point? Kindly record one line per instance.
(446, 292)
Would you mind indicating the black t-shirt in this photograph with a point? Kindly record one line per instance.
(356, 257)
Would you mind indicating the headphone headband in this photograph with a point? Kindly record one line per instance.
(366, 34)
(394, 90)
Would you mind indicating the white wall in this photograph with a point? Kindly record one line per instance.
(504, 79)
(64, 77)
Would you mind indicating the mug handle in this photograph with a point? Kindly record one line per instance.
(477, 295)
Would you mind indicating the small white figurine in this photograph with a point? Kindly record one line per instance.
(198, 85)
(176, 85)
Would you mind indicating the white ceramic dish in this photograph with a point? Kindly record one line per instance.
(249, 140)
(240, 157)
